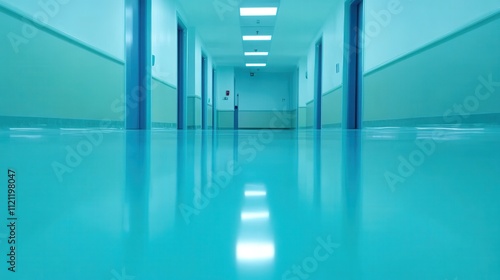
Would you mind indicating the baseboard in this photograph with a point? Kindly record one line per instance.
(333, 125)
(476, 120)
(36, 122)
(160, 125)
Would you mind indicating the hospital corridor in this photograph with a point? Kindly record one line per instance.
(249, 139)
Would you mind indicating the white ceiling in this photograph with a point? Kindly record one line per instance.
(220, 27)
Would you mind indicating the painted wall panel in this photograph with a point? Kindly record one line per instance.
(197, 66)
(310, 115)
(332, 34)
(303, 81)
(391, 25)
(164, 41)
(432, 82)
(264, 91)
(53, 77)
(102, 27)
(225, 108)
(331, 112)
(210, 116)
(225, 119)
(265, 119)
(294, 118)
(333, 42)
(225, 81)
(302, 117)
(197, 112)
(163, 103)
(210, 95)
(194, 112)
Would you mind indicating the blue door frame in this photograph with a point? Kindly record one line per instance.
(204, 93)
(138, 65)
(318, 80)
(236, 111)
(214, 101)
(353, 67)
(181, 74)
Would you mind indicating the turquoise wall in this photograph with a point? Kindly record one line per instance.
(426, 86)
(163, 105)
(331, 108)
(225, 119)
(54, 80)
(194, 112)
(248, 119)
(302, 115)
(310, 114)
(210, 120)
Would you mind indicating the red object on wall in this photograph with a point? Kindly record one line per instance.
(227, 92)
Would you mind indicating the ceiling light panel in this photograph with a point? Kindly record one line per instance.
(257, 38)
(256, 64)
(268, 11)
(256, 53)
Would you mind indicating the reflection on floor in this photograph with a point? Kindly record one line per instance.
(260, 204)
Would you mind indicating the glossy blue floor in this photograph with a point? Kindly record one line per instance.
(257, 204)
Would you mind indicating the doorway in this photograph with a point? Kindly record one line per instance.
(236, 110)
(181, 73)
(214, 101)
(318, 79)
(204, 92)
(353, 65)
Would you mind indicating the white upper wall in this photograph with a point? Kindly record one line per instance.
(197, 66)
(99, 24)
(164, 47)
(194, 63)
(303, 82)
(311, 72)
(225, 81)
(210, 95)
(333, 38)
(265, 91)
(295, 85)
(164, 41)
(332, 34)
(396, 27)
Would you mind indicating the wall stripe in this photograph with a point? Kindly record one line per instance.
(56, 33)
(477, 120)
(332, 90)
(52, 123)
(425, 86)
(452, 35)
(159, 80)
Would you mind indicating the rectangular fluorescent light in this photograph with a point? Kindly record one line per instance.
(245, 12)
(255, 251)
(256, 53)
(256, 64)
(257, 38)
(255, 216)
(255, 193)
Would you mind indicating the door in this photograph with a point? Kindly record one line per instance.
(318, 75)
(204, 93)
(181, 67)
(353, 68)
(236, 111)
